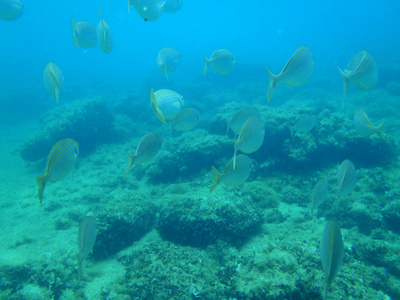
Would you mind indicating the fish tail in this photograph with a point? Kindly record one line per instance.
(130, 164)
(380, 131)
(41, 182)
(76, 42)
(129, 6)
(217, 177)
(57, 92)
(272, 84)
(227, 128)
(207, 61)
(345, 83)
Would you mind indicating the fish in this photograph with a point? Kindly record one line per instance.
(364, 126)
(332, 253)
(319, 194)
(147, 149)
(238, 120)
(172, 6)
(149, 10)
(104, 35)
(85, 34)
(347, 178)
(304, 125)
(154, 106)
(53, 79)
(221, 61)
(60, 163)
(296, 72)
(86, 240)
(233, 176)
(168, 60)
(186, 120)
(10, 10)
(361, 71)
(250, 138)
(169, 102)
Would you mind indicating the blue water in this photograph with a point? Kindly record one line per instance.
(259, 33)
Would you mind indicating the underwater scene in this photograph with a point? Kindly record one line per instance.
(182, 149)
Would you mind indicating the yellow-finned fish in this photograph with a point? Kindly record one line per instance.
(149, 10)
(364, 126)
(168, 60)
(104, 35)
(186, 120)
(154, 105)
(53, 79)
(61, 162)
(84, 34)
(169, 102)
(361, 71)
(231, 176)
(10, 10)
(297, 70)
(221, 61)
(86, 239)
(147, 149)
(250, 138)
(347, 178)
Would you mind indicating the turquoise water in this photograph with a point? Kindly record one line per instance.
(160, 233)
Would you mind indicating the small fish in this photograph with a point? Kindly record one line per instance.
(104, 35)
(154, 106)
(238, 120)
(10, 10)
(149, 10)
(361, 71)
(85, 34)
(147, 149)
(186, 120)
(60, 163)
(172, 6)
(231, 176)
(168, 60)
(364, 126)
(86, 239)
(332, 253)
(250, 138)
(347, 177)
(296, 72)
(304, 125)
(169, 102)
(53, 79)
(221, 61)
(319, 194)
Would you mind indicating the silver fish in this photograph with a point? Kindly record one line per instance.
(296, 72)
(60, 163)
(332, 253)
(85, 34)
(10, 10)
(347, 178)
(168, 60)
(169, 102)
(148, 148)
(186, 120)
(86, 239)
(221, 61)
(231, 176)
(104, 35)
(304, 125)
(364, 126)
(361, 71)
(319, 194)
(53, 79)
(250, 138)
(149, 10)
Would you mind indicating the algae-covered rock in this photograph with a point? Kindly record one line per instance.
(89, 122)
(200, 222)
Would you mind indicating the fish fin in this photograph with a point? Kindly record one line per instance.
(272, 84)
(207, 61)
(217, 177)
(41, 182)
(130, 164)
(345, 83)
(102, 25)
(380, 132)
(129, 6)
(73, 24)
(154, 105)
